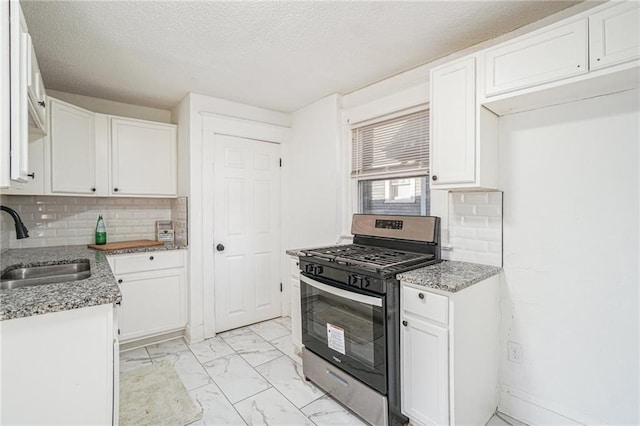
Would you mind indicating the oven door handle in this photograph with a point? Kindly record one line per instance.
(345, 294)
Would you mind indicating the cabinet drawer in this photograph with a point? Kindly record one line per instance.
(149, 261)
(425, 304)
(535, 59)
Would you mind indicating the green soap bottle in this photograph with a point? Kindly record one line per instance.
(101, 232)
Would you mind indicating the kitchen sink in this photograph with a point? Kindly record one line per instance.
(49, 274)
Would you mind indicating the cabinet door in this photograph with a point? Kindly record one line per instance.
(453, 111)
(36, 92)
(614, 35)
(425, 371)
(35, 184)
(20, 60)
(296, 316)
(72, 149)
(152, 303)
(542, 57)
(144, 160)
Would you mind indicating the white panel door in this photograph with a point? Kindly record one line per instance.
(614, 35)
(144, 158)
(453, 123)
(424, 371)
(246, 231)
(73, 161)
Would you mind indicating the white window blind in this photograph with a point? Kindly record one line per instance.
(394, 147)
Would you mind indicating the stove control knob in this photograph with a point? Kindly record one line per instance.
(317, 270)
(364, 282)
(353, 280)
(308, 268)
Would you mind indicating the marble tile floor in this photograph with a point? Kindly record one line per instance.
(249, 376)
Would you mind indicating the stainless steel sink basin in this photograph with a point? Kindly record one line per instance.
(50, 274)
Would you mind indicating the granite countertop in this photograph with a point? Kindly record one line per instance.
(295, 252)
(99, 289)
(448, 276)
(142, 250)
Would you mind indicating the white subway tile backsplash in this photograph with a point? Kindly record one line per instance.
(489, 210)
(475, 227)
(474, 198)
(474, 221)
(71, 220)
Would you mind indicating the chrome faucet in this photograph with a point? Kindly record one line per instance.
(21, 230)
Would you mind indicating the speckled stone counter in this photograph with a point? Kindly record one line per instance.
(448, 276)
(295, 252)
(143, 250)
(100, 288)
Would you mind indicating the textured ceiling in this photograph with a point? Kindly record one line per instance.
(276, 55)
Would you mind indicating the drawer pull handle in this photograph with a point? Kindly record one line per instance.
(342, 381)
(405, 323)
(421, 296)
(120, 281)
(150, 257)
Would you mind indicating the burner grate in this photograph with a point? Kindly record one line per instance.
(378, 258)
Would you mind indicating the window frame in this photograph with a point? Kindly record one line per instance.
(357, 199)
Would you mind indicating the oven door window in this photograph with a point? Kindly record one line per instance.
(345, 328)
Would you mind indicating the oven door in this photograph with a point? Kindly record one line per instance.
(346, 328)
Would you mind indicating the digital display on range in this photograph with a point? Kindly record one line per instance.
(389, 224)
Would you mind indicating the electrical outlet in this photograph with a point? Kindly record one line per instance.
(514, 352)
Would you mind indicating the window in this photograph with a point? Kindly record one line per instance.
(390, 163)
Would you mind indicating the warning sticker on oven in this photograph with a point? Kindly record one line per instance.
(335, 338)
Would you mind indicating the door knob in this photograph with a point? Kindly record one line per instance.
(220, 247)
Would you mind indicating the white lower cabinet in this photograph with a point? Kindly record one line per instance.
(296, 317)
(424, 395)
(153, 286)
(449, 360)
(58, 368)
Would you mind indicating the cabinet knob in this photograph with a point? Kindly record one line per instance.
(220, 247)
(421, 295)
(93, 189)
(120, 281)
(115, 189)
(42, 104)
(150, 257)
(434, 178)
(405, 323)
(32, 175)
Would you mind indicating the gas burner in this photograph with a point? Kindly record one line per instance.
(369, 257)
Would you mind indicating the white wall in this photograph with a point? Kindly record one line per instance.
(312, 171)
(570, 288)
(105, 106)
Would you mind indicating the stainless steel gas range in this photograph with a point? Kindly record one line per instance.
(351, 315)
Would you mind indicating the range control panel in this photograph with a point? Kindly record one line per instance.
(389, 224)
(400, 227)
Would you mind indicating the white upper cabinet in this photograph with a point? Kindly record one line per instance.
(540, 57)
(73, 156)
(102, 155)
(463, 135)
(453, 107)
(37, 96)
(143, 158)
(19, 72)
(614, 35)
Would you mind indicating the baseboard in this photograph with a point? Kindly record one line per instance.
(152, 340)
(527, 409)
(194, 334)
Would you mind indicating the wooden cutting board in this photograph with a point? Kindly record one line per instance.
(122, 245)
